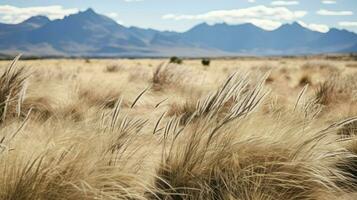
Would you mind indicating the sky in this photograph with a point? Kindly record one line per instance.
(181, 15)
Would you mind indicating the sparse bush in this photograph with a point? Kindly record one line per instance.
(206, 62)
(176, 60)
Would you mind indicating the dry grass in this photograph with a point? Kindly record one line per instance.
(239, 129)
(12, 91)
(112, 68)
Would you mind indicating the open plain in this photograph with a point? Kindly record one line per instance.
(244, 128)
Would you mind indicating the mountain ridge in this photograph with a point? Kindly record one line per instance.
(88, 33)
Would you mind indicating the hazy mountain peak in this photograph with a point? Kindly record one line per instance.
(36, 21)
(335, 30)
(89, 11)
(87, 14)
(204, 24)
(291, 26)
(296, 24)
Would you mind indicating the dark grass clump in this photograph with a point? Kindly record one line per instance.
(325, 93)
(305, 80)
(206, 62)
(176, 60)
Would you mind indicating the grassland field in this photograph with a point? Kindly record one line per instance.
(244, 129)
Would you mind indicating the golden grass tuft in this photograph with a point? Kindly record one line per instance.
(12, 90)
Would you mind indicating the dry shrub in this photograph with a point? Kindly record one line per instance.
(112, 68)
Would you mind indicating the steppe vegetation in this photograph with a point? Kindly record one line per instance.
(244, 129)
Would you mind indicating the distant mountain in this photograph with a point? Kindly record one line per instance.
(90, 34)
(225, 37)
(27, 25)
(86, 33)
(291, 35)
(36, 21)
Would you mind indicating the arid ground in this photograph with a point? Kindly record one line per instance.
(244, 129)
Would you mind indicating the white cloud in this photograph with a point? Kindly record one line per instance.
(115, 17)
(315, 27)
(334, 13)
(251, 1)
(276, 13)
(112, 15)
(329, 2)
(266, 17)
(265, 23)
(12, 14)
(284, 3)
(348, 23)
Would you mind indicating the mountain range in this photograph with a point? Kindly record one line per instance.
(88, 33)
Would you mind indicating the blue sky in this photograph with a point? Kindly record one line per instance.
(180, 15)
